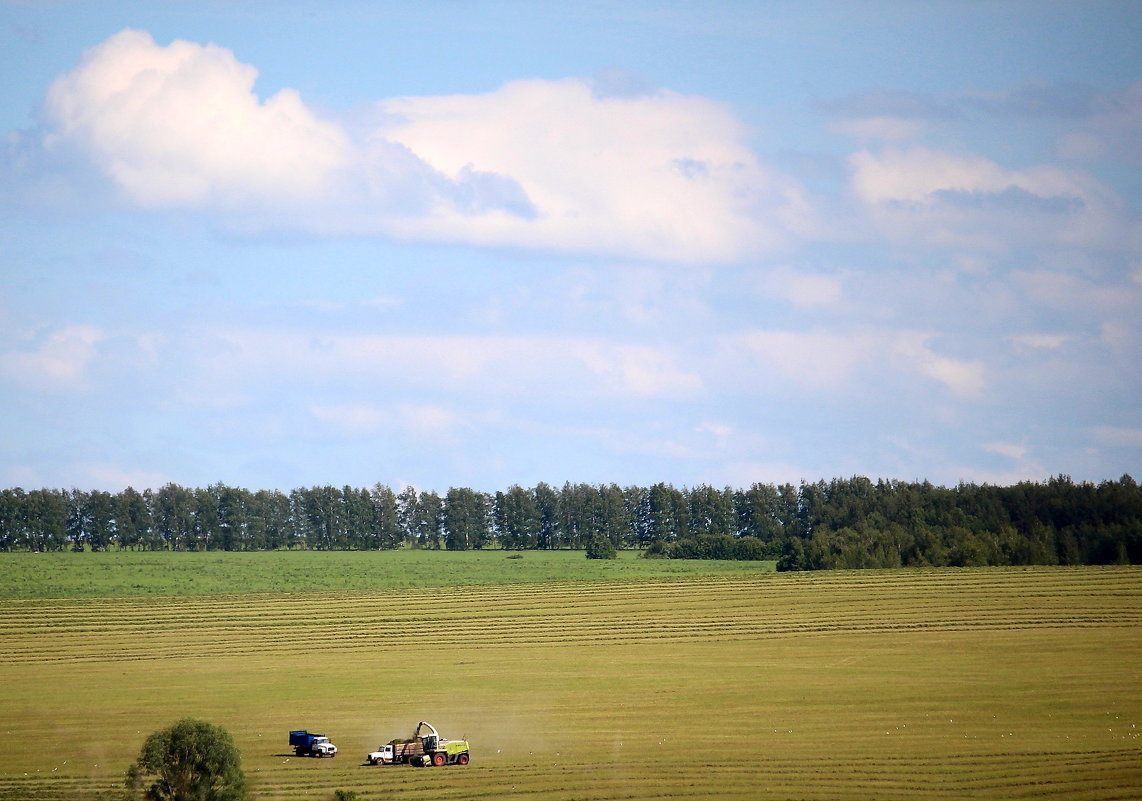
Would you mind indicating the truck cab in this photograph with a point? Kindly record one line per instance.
(322, 747)
(384, 755)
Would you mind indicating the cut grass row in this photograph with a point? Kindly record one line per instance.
(890, 685)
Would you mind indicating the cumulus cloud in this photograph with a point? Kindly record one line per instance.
(535, 164)
(181, 126)
(656, 174)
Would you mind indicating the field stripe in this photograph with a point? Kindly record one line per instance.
(738, 608)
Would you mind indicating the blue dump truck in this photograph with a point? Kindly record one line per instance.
(308, 744)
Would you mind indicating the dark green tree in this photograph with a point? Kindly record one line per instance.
(13, 518)
(578, 505)
(46, 519)
(429, 520)
(408, 511)
(614, 517)
(516, 518)
(360, 516)
(233, 517)
(386, 516)
(133, 516)
(207, 525)
(465, 519)
(192, 760)
(547, 507)
(662, 507)
(601, 547)
(174, 517)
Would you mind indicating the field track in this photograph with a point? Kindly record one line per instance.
(942, 684)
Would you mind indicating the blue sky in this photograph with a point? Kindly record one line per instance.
(492, 243)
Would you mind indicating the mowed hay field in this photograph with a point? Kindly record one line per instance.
(948, 684)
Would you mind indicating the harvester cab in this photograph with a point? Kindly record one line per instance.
(431, 741)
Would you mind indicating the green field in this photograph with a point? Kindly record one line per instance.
(939, 684)
(124, 574)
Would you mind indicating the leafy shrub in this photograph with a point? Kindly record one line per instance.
(601, 547)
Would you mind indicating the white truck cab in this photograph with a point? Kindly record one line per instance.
(322, 747)
(384, 755)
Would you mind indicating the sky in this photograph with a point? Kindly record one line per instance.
(479, 243)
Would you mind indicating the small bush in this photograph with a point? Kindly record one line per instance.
(601, 547)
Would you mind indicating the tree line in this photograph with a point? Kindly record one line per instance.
(843, 523)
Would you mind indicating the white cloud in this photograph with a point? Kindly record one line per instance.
(1010, 450)
(826, 360)
(962, 378)
(505, 366)
(816, 359)
(660, 174)
(59, 361)
(1076, 293)
(422, 420)
(535, 164)
(180, 125)
(929, 196)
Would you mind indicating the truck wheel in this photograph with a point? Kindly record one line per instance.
(462, 759)
(439, 759)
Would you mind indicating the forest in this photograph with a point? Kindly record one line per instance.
(842, 523)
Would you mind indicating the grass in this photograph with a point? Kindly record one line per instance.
(127, 574)
(941, 684)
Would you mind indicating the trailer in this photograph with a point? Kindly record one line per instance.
(309, 744)
(422, 750)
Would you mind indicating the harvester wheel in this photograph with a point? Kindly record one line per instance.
(439, 759)
(462, 759)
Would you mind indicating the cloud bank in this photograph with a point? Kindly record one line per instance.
(534, 164)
